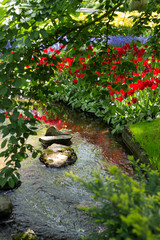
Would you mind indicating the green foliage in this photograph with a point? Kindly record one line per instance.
(141, 24)
(125, 208)
(146, 109)
(147, 134)
(89, 4)
(14, 145)
(94, 101)
(29, 26)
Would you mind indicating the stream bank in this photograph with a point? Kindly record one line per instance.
(135, 148)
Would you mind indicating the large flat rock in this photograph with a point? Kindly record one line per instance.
(61, 139)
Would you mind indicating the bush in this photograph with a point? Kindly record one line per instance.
(125, 208)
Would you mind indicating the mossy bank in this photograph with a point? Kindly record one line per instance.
(143, 139)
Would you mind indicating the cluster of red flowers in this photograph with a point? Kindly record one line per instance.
(63, 62)
(107, 66)
(128, 78)
(56, 121)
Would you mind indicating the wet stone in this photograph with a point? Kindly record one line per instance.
(27, 235)
(58, 155)
(53, 135)
(53, 131)
(5, 206)
(61, 139)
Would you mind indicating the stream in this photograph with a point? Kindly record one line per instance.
(47, 199)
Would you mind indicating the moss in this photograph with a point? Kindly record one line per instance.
(147, 134)
(28, 235)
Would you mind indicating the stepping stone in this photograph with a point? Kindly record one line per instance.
(58, 155)
(53, 131)
(61, 139)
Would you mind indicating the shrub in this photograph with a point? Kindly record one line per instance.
(125, 208)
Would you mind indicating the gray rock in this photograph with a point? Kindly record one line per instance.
(53, 131)
(61, 139)
(53, 135)
(58, 155)
(5, 206)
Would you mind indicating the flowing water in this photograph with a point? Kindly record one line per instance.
(47, 200)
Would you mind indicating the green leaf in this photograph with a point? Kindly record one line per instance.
(34, 154)
(26, 135)
(3, 182)
(22, 141)
(17, 164)
(4, 2)
(15, 114)
(36, 34)
(10, 58)
(16, 56)
(28, 114)
(14, 45)
(30, 147)
(2, 34)
(28, 42)
(2, 154)
(26, 25)
(20, 121)
(20, 68)
(7, 103)
(3, 90)
(3, 144)
(44, 33)
(17, 82)
(11, 183)
(13, 140)
(2, 117)
(5, 131)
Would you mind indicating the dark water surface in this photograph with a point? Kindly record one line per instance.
(47, 199)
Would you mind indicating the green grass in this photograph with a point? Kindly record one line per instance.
(147, 134)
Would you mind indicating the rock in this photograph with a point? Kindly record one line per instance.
(53, 135)
(58, 155)
(5, 206)
(61, 139)
(53, 131)
(28, 235)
